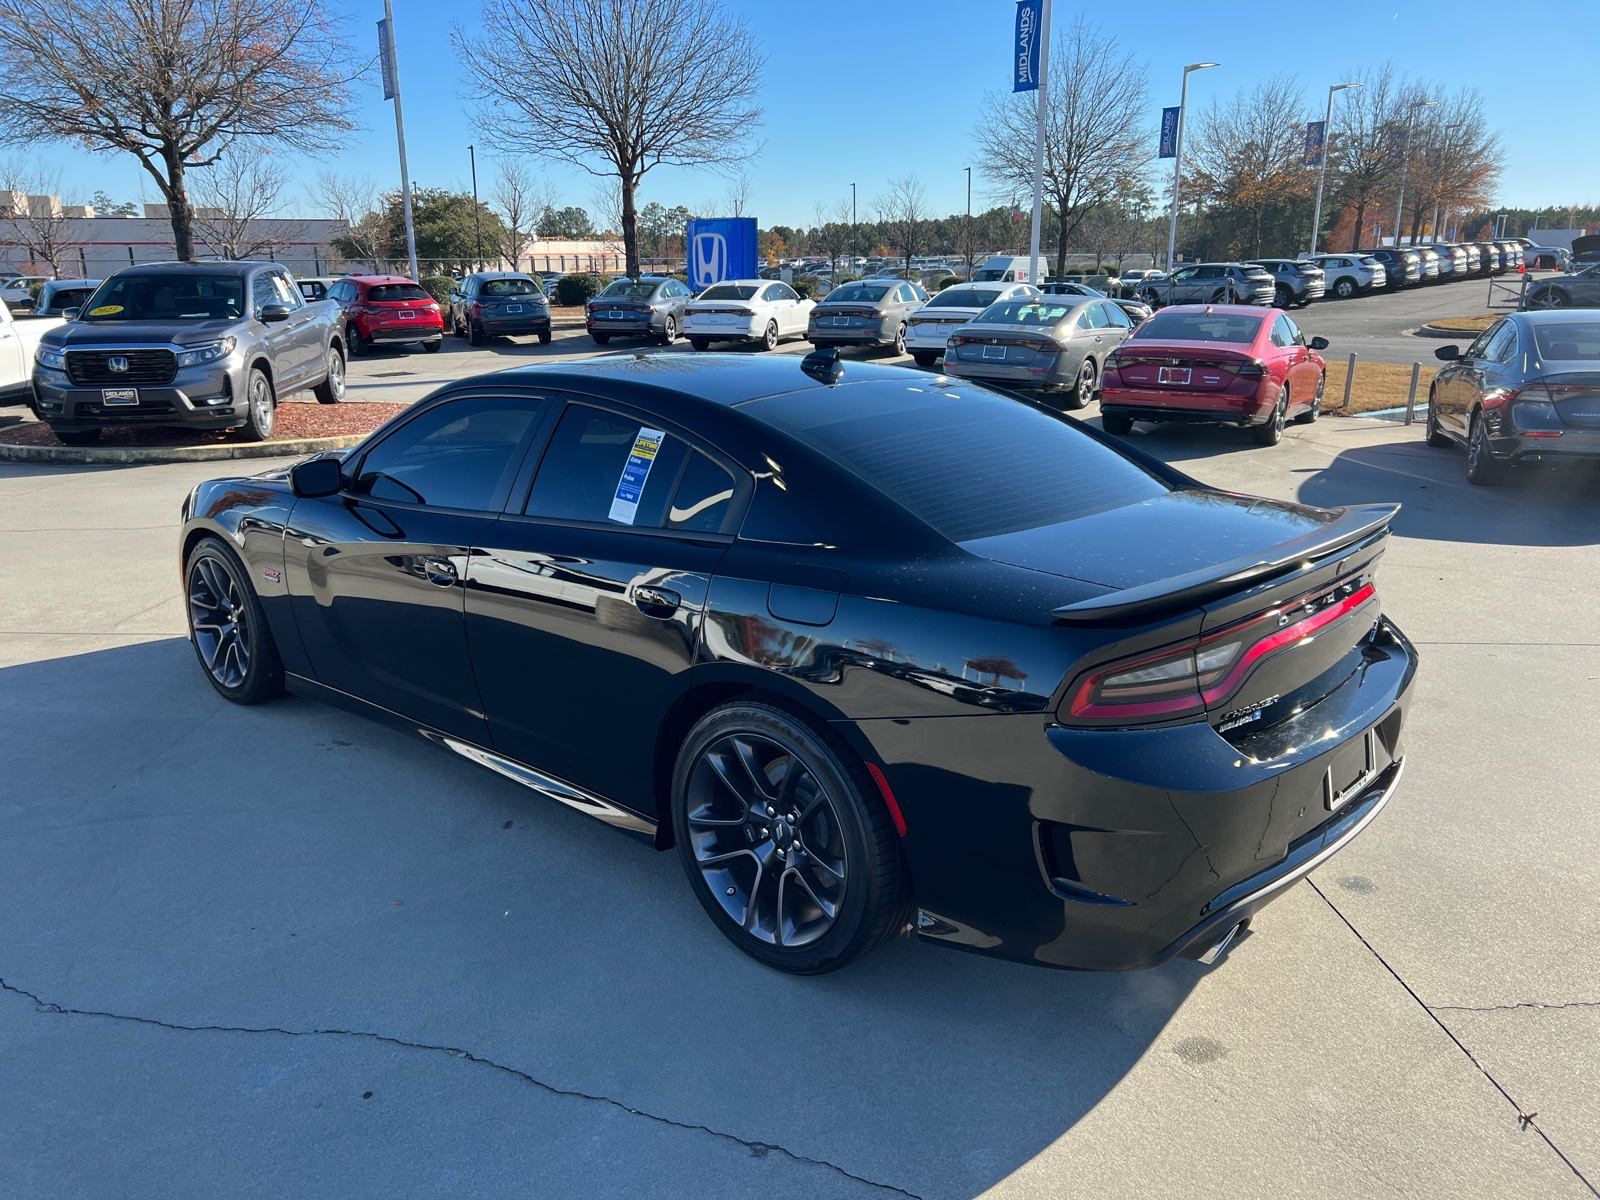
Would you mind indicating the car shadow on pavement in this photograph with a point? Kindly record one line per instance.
(289, 866)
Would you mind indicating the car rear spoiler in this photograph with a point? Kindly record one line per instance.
(1355, 523)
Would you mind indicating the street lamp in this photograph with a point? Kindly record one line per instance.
(1444, 165)
(967, 230)
(1322, 173)
(477, 220)
(1177, 157)
(1405, 166)
(855, 249)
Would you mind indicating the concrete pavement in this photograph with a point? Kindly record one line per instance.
(221, 928)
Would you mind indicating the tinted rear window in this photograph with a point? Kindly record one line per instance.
(964, 298)
(1569, 341)
(1025, 312)
(970, 463)
(390, 292)
(729, 291)
(1199, 327)
(512, 287)
(859, 293)
(628, 289)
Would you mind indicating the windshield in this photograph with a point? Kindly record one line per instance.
(970, 463)
(513, 287)
(390, 292)
(731, 291)
(988, 276)
(964, 298)
(1569, 341)
(167, 297)
(627, 289)
(1024, 312)
(859, 293)
(1199, 327)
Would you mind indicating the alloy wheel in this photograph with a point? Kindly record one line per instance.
(262, 413)
(216, 615)
(669, 331)
(769, 340)
(767, 839)
(336, 374)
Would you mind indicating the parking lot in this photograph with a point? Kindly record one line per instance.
(284, 951)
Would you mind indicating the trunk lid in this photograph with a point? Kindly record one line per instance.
(1209, 369)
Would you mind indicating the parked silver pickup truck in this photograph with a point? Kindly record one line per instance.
(201, 345)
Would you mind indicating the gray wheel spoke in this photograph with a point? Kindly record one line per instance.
(720, 766)
(758, 778)
(821, 901)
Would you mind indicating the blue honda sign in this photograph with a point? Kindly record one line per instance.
(722, 248)
(1169, 132)
(1025, 50)
(1315, 132)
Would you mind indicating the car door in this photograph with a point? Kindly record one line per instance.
(16, 363)
(278, 336)
(1118, 327)
(1500, 369)
(794, 311)
(584, 606)
(1459, 384)
(1304, 375)
(306, 331)
(376, 573)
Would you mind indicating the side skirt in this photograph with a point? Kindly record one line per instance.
(570, 794)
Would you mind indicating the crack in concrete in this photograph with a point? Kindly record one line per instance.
(756, 1148)
(1509, 1007)
(1524, 1119)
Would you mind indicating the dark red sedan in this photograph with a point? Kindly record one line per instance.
(1233, 364)
(387, 310)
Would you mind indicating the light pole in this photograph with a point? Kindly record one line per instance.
(391, 90)
(1038, 142)
(1322, 173)
(1405, 166)
(1177, 156)
(967, 232)
(477, 218)
(854, 248)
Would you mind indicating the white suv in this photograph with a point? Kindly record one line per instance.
(928, 329)
(1347, 275)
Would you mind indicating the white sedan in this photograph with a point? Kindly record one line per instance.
(740, 310)
(928, 329)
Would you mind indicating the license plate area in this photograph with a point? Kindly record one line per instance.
(510, 308)
(1352, 770)
(995, 352)
(1178, 375)
(841, 320)
(119, 396)
(407, 315)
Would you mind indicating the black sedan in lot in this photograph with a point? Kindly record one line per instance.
(1525, 393)
(876, 651)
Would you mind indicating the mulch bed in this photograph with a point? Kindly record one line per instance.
(297, 420)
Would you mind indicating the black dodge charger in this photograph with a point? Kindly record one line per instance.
(877, 652)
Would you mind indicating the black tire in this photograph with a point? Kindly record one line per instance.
(700, 343)
(900, 340)
(1082, 390)
(459, 329)
(227, 627)
(1271, 433)
(733, 834)
(1482, 469)
(475, 334)
(77, 437)
(359, 346)
(769, 339)
(331, 389)
(1345, 288)
(433, 347)
(669, 330)
(1282, 297)
(1436, 437)
(1220, 296)
(544, 339)
(816, 345)
(1309, 417)
(260, 407)
(925, 358)
(1119, 424)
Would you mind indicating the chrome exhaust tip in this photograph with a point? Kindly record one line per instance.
(1215, 951)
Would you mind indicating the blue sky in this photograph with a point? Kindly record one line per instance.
(870, 92)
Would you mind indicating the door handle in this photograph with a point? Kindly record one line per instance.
(656, 602)
(440, 571)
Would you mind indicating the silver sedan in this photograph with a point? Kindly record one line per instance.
(1055, 344)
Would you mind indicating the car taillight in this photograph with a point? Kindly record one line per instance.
(1044, 346)
(1184, 680)
(1251, 367)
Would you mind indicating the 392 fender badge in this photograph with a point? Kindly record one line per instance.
(272, 575)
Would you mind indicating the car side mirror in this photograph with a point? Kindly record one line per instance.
(319, 477)
(70, 314)
(1447, 353)
(1319, 343)
(274, 312)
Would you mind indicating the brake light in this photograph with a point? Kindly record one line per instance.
(1184, 680)
(1251, 367)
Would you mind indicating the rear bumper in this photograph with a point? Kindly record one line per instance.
(1573, 446)
(387, 335)
(1153, 405)
(843, 336)
(1119, 849)
(1036, 375)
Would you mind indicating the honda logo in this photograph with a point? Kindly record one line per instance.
(708, 259)
(117, 363)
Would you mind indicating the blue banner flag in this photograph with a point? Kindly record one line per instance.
(1030, 17)
(1315, 132)
(1169, 132)
(386, 59)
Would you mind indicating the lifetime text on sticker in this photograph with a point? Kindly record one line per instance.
(625, 507)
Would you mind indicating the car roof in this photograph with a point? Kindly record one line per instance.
(383, 279)
(225, 266)
(1558, 316)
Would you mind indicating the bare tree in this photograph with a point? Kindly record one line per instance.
(173, 82)
(903, 216)
(616, 87)
(1249, 153)
(519, 201)
(833, 232)
(233, 200)
(1096, 143)
(1361, 150)
(736, 199)
(1460, 160)
(355, 202)
(31, 216)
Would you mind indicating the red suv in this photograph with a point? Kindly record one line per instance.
(1215, 362)
(387, 310)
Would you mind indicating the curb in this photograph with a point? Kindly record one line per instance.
(91, 455)
(1433, 331)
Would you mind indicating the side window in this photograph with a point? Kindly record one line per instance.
(785, 292)
(1480, 347)
(702, 498)
(1085, 318)
(262, 292)
(1280, 333)
(1295, 336)
(288, 292)
(604, 467)
(455, 456)
(1504, 347)
(1118, 318)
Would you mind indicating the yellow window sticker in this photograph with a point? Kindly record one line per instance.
(105, 310)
